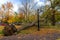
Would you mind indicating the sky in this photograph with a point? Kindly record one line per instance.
(17, 3)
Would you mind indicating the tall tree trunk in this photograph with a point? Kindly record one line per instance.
(53, 17)
(38, 19)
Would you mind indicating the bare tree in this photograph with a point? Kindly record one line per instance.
(5, 9)
(27, 8)
(9, 5)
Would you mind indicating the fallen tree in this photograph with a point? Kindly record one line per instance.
(13, 29)
(25, 26)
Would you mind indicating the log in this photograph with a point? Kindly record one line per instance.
(25, 26)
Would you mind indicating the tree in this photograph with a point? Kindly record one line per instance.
(53, 8)
(2, 12)
(27, 9)
(6, 10)
(54, 4)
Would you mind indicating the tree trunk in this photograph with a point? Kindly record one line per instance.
(53, 17)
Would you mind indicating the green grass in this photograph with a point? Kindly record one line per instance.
(1, 32)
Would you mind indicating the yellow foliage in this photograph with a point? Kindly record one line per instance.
(11, 20)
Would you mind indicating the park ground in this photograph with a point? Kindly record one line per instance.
(32, 34)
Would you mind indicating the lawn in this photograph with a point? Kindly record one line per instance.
(33, 29)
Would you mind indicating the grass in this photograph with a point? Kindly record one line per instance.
(43, 29)
(52, 27)
(1, 28)
(58, 39)
(31, 29)
(1, 32)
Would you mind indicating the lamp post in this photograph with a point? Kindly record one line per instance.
(38, 19)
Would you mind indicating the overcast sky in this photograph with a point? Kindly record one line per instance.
(16, 3)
